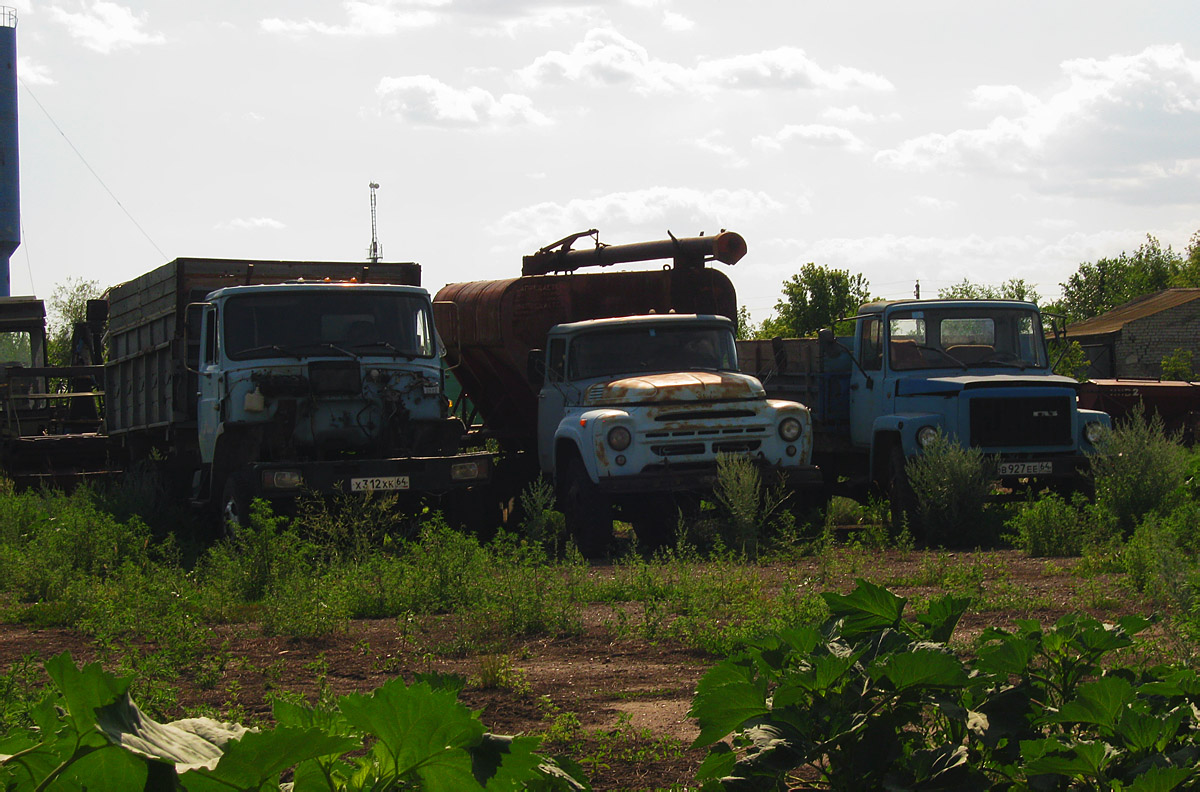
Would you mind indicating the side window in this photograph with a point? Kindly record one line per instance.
(423, 336)
(557, 363)
(210, 336)
(871, 344)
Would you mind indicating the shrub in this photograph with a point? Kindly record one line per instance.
(1136, 468)
(1051, 526)
(543, 524)
(952, 485)
(749, 508)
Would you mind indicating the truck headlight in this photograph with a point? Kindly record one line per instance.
(282, 479)
(926, 435)
(790, 428)
(619, 438)
(1093, 432)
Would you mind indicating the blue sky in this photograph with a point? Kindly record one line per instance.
(926, 140)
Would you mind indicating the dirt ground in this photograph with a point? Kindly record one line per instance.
(627, 685)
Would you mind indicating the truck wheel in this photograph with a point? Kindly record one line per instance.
(901, 498)
(588, 511)
(654, 519)
(234, 514)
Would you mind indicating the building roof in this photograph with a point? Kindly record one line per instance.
(1146, 305)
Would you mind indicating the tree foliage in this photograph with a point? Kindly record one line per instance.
(66, 306)
(1011, 289)
(1109, 282)
(814, 298)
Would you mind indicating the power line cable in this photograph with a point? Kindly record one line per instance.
(91, 170)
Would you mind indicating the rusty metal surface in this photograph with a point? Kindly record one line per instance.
(689, 252)
(1177, 403)
(489, 327)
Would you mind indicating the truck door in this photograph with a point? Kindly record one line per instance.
(551, 402)
(867, 399)
(208, 412)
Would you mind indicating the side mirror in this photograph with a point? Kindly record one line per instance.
(535, 367)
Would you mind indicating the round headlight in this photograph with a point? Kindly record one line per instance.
(619, 438)
(1093, 432)
(789, 429)
(926, 435)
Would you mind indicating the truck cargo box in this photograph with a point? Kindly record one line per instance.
(153, 339)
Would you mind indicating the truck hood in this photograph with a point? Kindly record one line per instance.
(680, 386)
(927, 386)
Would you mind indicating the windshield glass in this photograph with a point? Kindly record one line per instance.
(635, 350)
(359, 322)
(966, 337)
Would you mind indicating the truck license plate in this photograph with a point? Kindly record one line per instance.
(379, 483)
(1025, 468)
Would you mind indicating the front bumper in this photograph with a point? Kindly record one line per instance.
(699, 477)
(421, 475)
(1014, 467)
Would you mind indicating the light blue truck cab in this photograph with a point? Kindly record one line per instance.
(330, 387)
(637, 408)
(976, 370)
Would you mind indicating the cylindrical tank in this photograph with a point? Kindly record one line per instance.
(489, 327)
(10, 182)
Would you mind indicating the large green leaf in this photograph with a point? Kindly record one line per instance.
(1099, 703)
(421, 731)
(922, 669)
(260, 757)
(867, 609)
(1163, 779)
(107, 769)
(727, 696)
(188, 744)
(942, 616)
(85, 690)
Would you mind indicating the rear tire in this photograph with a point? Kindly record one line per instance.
(588, 511)
(654, 519)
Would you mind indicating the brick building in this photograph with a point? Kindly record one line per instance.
(1130, 341)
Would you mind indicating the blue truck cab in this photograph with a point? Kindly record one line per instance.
(329, 387)
(976, 370)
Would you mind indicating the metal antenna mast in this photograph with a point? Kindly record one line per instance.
(375, 252)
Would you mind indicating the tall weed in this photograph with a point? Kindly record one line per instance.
(751, 509)
(952, 485)
(1137, 468)
(1052, 526)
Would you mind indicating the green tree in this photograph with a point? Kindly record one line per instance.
(816, 297)
(1102, 286)
(1178, 366)
(66, 306)
(745, 325)
(1011, 289)
(1189, 272)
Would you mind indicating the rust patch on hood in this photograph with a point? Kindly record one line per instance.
(678, 386)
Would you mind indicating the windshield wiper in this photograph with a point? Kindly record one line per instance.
(337, 348)
(386, 345)
(271, 348)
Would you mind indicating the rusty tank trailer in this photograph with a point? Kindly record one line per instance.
(489, 327)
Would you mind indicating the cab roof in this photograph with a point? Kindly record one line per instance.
(879, 306)
(643, 319)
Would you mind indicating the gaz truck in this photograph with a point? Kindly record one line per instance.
(271, 378)
(977, 371)
(622, 388)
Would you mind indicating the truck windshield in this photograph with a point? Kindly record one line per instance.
(283, 323)
(633, 350)
(966, 337)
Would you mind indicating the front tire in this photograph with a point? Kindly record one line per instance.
(901, 498)
(588, 511)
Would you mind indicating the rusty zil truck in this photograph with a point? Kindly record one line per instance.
(620, 387)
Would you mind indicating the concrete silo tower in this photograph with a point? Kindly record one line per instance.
(10, 174)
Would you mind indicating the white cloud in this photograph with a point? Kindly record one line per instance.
(684, 211)
(677, 22)
(1124, 127)
(540, 19)
(854, 115)
(32, 72)
(712, 144)
(106, 27)
(427, 101)
(934, 204)
(605, 57)
(816, 135)
(250, 223)
(365, 18)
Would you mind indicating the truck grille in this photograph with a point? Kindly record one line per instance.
(1021, 421)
